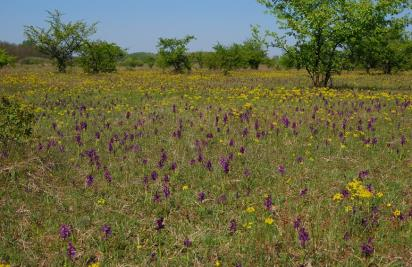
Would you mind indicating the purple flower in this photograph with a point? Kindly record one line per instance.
(285, 121)
(154, 175)
(89, 180)
(107, 174)
(297, 223)
(242, 150)
(299, 159)
(303, 192)
(201, 196)
(65, 231)
(231, 142)
(156, 197)
(281, 169)
(268, 203)
(232, 226)
(166, 191)
(224, 163)
(303, 236)
(367, 248)
(187, 242)
(363, 174)
(107, 230)
(71, 251)
(160, 224)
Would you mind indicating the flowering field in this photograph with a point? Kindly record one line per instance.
(144, 168)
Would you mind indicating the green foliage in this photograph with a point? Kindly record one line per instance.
(16, 121)
(34, 61)
(322, 29)
(60, 40)
(100, 56)
(172, 52)
(228, 58)
(5, 59)
(139, 59)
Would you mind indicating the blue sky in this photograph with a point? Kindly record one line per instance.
(137, 24)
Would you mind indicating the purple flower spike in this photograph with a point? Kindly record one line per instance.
(107, 230)
(160, 224)
(65, 231)
(303, 236)
(71, 251)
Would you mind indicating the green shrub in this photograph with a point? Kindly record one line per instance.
(16, 121)
(34, 61)
(100, 56)
(5, 59)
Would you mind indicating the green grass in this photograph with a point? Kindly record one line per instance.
(41, 189)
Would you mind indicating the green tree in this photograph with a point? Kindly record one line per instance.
(172, 52)
(229, 58)
(320, 29)
(254, 50)
(100, 56)
(5, 59)
(60, 40)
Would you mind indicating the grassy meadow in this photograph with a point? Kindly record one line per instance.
(145, 168)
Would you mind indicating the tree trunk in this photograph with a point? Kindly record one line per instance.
(61, 65)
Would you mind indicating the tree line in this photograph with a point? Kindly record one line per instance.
(323, 37)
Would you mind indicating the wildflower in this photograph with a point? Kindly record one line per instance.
(224, 163)
(379, 194)
(107, 174)
(268, 203)
(89, 180)
(269, 220)
(166, 191)
(281, 169)
(297, 223)
(250, 210)
(232, 226)
(95, 264)
(303, 236)
(217, 263)
(185, 187)
(396, 213)
(201, 196)
(160, 224)
(101, 201)
(187, 242)
(303, 192)
(367, 248)
(348, 208)
(107, 230)
(65, 231)
(71, 251)
(338, 197)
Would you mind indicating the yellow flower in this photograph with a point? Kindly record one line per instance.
(185, 187)
(217, 263)
(379, 194)
(348, 208)
(96, 264)
(338, 197)
(4, 265)
(389, 205)
(250, 210)
(269, 220)
(397, 213)
(101, 201)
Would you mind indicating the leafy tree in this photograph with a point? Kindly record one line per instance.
(254, 50)
(320, 29)
(100, 56)
(229, 58)
(173, 53)
(5, 59)
(60, 40)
